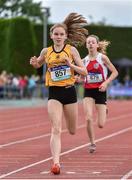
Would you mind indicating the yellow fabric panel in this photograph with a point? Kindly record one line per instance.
(55, 59)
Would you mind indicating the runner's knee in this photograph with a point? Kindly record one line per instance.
(72, 132)
(100, 125)
(56, 130)
(89, 119)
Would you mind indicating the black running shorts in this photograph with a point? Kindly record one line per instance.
(65, 95)
(98, 96)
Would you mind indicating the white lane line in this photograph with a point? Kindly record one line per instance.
(46, 123)
(96, 172)
(22, 127)
(45, 172)
(66, 152)
(126, 176)
(48, 134)
(70, 172)
(24, 140)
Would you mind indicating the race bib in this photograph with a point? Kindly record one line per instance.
(94, 78)
(60, 73)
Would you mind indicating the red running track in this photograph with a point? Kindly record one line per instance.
(25, 151)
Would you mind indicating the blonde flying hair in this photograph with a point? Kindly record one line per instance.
(102, 44)
(74, 26)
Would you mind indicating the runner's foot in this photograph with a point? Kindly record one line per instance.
(55, 169)
(92, 148)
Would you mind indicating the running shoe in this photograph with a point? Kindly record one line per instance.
(55, 169)
(92, 148)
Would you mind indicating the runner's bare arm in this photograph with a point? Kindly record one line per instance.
(78, 66)
(37, 62)
(111, 67)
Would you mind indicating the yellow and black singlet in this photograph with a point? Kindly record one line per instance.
(58, 73)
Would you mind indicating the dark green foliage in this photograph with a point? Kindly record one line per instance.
(26, 8)
(20, 40)
(39, 38)
(22, 46)
(4, 36)
(119, 37)
(18, 46)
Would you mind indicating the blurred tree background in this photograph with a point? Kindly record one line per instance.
(24, 8)
(21, 27)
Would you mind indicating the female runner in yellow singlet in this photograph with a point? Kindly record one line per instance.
(62, 59)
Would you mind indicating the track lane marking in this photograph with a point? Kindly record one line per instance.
(126, 176)
(66, 152)
(48, 134)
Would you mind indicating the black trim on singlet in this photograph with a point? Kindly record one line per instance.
(60, 50)
(66, 53)
(63, 49)
(53, 50)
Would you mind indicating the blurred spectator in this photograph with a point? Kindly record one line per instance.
(2, 83)
(16, 86)
(127, 81)
(23, 83)
(31, 86)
